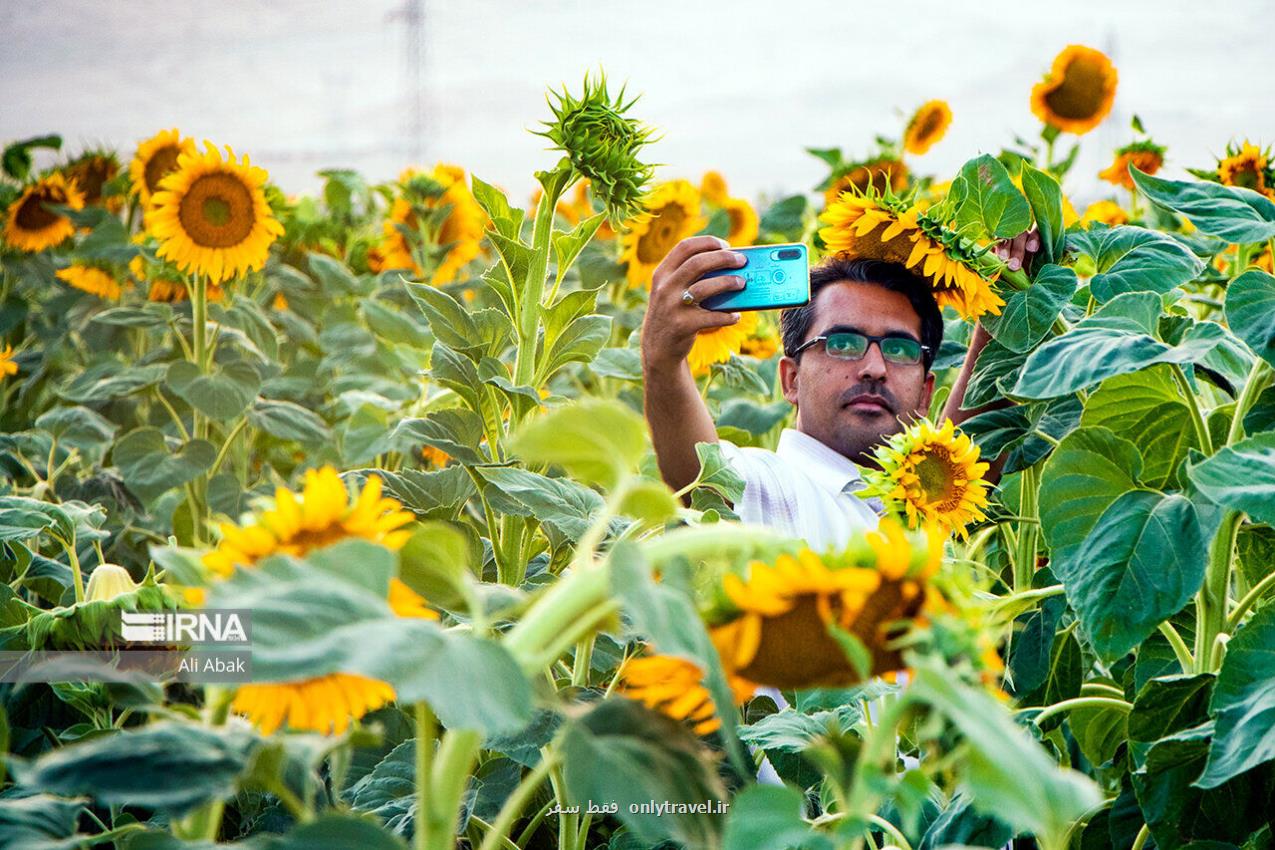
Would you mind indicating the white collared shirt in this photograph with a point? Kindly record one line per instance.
(803, 489)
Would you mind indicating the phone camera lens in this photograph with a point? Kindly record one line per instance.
(790, 254)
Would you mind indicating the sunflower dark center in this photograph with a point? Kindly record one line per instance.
(91, 175)
(159, 166)
(33, 216)
(662, 234)
(1247, 176)
(929, 124)
(1081, 93)
(937, 473)
(217, 211)
(797, 651)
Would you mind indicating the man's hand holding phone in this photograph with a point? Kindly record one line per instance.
(674, 317)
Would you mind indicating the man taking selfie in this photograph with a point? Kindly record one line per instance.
(856, 366)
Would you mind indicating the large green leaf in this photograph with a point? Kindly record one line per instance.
(995, 371)
(1133, 259)
(1244, 702)
(1241, 476)
(1147, 409)
(770, 816)
(1006, 772)
(1250, 311)
(1139, 565)
(150, 466)
(1088, 471)
(1166, 705)
(111, 380)
(992, 206)
(439, 494)
(1045, 196)
(622, 753)
(1230, 212)
(568, 507)
(77, 426)
(39, 822)
(1113, 341)
(1029, 313)
(168, 766)
(221, 394)
(596, 441)
(289, 421)
(22, 517)
(507, 219)
(455, 431)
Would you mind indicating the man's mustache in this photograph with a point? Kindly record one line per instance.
(891, 403)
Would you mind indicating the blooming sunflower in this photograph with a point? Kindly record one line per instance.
(713, 187)
(92, 280)
(29, 226)
(91, 172)
(744, 221)
(1078, 91)
(672, 214)
(460, 234)
(880, 174)
(211, 216)
(7, 366)
(762, 343)
(774, 628)
(932, 475)
(155, 159)
(716, 345)
(674, 687)
(1247, 166)
(1106, 212)
(1145, 156)
(927, 127)
(883, 227)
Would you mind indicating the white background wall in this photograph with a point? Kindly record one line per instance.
(740, 86)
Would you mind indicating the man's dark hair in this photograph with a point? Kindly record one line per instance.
(795, 322)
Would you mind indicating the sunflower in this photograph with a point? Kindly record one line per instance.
(1145, 156)
(7, 366)
(744, 222)
(29, 226)
(322, 515)
(880, 174)
(460, 234)
(774, 627)
(674, 687)
(91, 172)
(1078, 91)
(716, 345)
(672, 214)
(1248, 167)
(882, 227)
(927, 127)
(211, 216)
(932, 475)
(762, 343)
(713, 187)
(155, 159)
(437, 458)
(92, 280)
(1106, 212)
(1070, 216)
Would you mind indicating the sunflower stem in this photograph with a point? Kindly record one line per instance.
(1079, 702)
(1258, 377)
(517, 801)
(1193, 407)
(1249, 600)
(533, 288)
(448, 778)
(1180, 649)
(426, 730)
(1025, 562)
(1211, 601)
(199, 341)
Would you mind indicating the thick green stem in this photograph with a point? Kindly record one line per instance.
(1258, 377)
(1180, 649)
(450, 774)
(533, 289)
(1211, 603)
(1250, 599)
(1080, 702)
(76, 573)
(199, 338)
(517, 801)
(554, 614)
(426, 730)
(1193, 406)
(1025, 562)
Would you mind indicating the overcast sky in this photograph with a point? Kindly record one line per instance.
(739, 86)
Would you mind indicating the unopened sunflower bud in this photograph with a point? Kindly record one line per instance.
(107, 582)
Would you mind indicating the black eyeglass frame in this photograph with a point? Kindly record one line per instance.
(871, 339)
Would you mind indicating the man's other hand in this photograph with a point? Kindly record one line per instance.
(1017, 252)
(670, 326)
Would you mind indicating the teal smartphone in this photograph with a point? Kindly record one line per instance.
(775, 276)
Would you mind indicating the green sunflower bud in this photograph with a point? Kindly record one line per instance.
(602, 145)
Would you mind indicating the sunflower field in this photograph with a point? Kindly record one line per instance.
(399, 425)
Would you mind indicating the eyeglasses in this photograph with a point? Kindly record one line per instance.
(848, 345)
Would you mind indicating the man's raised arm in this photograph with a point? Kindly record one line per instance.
(675, 412)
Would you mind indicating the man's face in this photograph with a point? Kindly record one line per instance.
(851, 405)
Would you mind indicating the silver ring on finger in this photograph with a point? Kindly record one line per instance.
(688, 298)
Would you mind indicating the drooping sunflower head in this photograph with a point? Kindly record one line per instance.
(92, 171)
(91, 279)
(29, 223)
(1249, 167)
(454, 223)
(931, 475)
(776, 625)
(211, 216)
(745, 224)
(1146, 156)
(155, 159)
(672, 213)
(713, 187)
(880, 174)
(603, 144)
(1104, 212)
(7, 365)
(1078, 91)
(927, 127)
(716, 345)
(885, 227)
(322, 514)
(674, 687)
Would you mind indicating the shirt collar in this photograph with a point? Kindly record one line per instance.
(829, 468)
